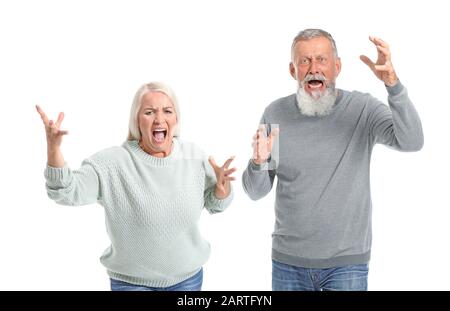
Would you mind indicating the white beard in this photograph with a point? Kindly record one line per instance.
(317, 105)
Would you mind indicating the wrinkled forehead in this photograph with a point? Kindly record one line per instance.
(313, 47)
(156, 100)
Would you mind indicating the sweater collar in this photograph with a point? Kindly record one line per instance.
(133, 146)
(333, 109)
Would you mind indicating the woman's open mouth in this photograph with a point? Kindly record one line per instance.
(159, 135)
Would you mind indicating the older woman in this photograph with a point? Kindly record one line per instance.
(153, 189)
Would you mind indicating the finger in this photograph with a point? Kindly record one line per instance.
(42, 114)
(382, 68)
(230, 171)
(63, 133)
(367, 61)
(384, 51)
(52, 127)
(229, 178)
(271, 139)
(379, 41)
(212, 162)
(262, 131)
(255, 154)
(60, 119)
(228, 162)
(274, 134)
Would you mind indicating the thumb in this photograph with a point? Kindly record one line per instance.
(367, 61)
(212, 162)
(273, 134)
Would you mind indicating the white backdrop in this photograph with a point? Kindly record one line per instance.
(226, 60)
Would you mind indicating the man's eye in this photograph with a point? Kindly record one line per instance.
(168, 111)
(304, 61)
(148, 113)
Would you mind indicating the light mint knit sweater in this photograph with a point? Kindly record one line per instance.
(152, 208)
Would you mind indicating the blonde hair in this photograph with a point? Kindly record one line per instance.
(133, 127)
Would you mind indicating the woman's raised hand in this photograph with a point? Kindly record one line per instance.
(54, 138)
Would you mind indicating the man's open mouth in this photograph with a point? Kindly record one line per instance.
(159, 135)
(315, 84)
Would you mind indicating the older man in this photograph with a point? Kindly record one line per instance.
(322, 237)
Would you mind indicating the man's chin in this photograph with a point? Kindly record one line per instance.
(316, 95)
(316, 103)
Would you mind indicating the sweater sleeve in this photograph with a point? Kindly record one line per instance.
(397, 126)
(78, 187)
(257, 180)
(213, 204)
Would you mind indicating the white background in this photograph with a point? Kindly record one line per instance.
(226, 61)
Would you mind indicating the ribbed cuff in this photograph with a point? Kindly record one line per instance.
(57, 177)
(221, 204)
(259, 167)
(395, 89)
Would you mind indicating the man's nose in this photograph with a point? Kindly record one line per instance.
(313, 68)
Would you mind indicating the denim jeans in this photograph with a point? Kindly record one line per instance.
(291, 278)
(194, 283)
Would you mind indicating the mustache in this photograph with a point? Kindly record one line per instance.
(317, 76)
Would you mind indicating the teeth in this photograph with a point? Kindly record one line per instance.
(315, 86)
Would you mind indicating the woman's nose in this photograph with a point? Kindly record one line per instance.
(159, 117)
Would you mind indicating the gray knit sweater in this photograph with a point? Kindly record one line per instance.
(152, 207)
(323, 206)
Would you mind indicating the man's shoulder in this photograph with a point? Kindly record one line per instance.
(358, 98)
(354, 94)
(281, 103)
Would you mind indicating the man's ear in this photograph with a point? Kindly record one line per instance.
(292, 70)
(338, 66)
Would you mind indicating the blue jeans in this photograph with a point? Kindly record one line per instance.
(291, 278)
(194, 283)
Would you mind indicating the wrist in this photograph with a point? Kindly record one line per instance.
(221, 194)
(55, 157)
(391, 79)
(53, 149)
(391, 83)
(259, 162)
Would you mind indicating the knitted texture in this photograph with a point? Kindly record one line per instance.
(152, 208)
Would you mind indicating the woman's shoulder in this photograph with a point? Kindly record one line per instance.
(110, 154)
(190, 150)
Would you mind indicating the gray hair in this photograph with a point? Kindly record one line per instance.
(308, 34)
(133, 127)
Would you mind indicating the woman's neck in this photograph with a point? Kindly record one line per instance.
(153, 153)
